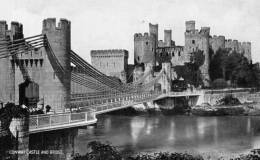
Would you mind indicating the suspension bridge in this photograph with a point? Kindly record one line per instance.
(98, 93)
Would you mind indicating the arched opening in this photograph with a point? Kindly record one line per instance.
(28, 93)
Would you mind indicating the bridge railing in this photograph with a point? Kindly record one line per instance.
(114, 99)
(52, 120)
(121, 102)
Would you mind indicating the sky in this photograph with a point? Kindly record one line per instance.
(111, 24)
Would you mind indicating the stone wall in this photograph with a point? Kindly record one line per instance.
(213, 98)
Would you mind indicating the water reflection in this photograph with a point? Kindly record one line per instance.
(213, 135)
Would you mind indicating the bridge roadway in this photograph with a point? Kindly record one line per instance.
(87, 115)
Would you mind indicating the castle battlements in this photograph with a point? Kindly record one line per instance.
(109, 52)
(50, 24)
(14, 32)
(145, 36)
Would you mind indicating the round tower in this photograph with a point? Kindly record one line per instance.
(168, 38)
(144, 48)
(59, 38)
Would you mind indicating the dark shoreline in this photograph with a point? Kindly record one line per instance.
(102, 151)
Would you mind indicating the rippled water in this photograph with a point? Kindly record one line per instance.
(210, 135)
(214, 136)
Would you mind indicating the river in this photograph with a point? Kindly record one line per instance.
(215, 136)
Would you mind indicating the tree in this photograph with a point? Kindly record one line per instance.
(190, 72)
(234, 67)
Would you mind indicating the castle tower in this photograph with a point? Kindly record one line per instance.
(246, 50)
(144, 48)
(168, 38)
(59, 38)
(198, 40)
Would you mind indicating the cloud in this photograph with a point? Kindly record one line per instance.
(104, 24)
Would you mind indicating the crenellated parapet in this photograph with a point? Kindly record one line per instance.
(15, 31)
(143, 37)
(109, 52)
(50, 24)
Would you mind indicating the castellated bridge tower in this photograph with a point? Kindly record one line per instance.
(59, 38)
(7, 69)
(198, 40)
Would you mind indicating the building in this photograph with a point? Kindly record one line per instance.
(111, 62)
(197, 40)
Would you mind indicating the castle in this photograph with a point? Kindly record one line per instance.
(151, 52)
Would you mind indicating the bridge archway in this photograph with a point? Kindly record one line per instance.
(28, 93)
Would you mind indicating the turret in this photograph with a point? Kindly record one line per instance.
(190, 26)
(16, 30)
(60, 42)
(168, 37)
(3, 29)
(153, 30)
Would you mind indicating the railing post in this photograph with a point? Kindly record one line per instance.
(37, 121)
(69, 117)
(50, 120)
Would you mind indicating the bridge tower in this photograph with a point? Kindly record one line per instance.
(7, 69)
(59, 38)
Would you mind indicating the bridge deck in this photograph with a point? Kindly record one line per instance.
(48, 122)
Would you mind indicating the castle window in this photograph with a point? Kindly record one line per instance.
(179, 53)
(146, 43)
(172, 54)
(193, 41)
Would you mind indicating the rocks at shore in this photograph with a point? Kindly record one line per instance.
(242, 109)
